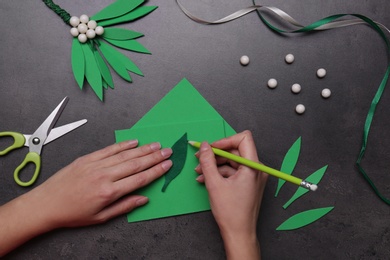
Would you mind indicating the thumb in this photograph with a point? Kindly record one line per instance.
(208, 163)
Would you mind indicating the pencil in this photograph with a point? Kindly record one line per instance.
(260, 167)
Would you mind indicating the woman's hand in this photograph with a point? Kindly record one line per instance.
(91, 190)
(235, 193)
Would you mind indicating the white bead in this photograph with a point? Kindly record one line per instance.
(84, 18)
(82, 38)
(289, 58)
(74, 21)
(296, 88)
(272, 83)
(92, 24)
(300, 109)
(321, 73)
(82, 28)
(325, 93)
(91, 34)
(244, 60)
(99, 30)
(74, 32)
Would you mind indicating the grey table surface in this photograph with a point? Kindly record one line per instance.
(35, 70)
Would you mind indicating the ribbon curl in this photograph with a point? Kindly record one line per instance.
(330, 22)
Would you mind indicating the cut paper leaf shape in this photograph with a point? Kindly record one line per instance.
(304, 218)
(178, 158)
(91, 60)
(289, 162)
(314, 178)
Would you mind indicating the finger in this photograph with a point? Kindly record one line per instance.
(243, 142)
(120, 207)
(127, 155)
(208, 164)
(111, 150)
(139, 180)
(138, 164)
(225, 171)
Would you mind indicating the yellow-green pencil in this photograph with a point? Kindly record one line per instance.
(260, 167)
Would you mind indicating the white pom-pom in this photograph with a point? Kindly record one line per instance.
(91, 34)
(82, 28)
(84, 18)
(325, 93)
(74, 32)
(300, 109)
(321, 73)
(244, 60)
(272, 83)
(82, 38)
(289, 58)
(74, 21)
(99, 30)
(92, 24)
(296, 88)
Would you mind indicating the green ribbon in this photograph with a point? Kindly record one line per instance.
(330, 22)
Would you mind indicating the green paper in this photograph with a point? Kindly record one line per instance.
(304, 218)
(78, 62)
(118, 8)
(131, 45)
(92, 72)
(120, 34)
(178, 158)
(133, 15)
(289, 162)
(104, 70)
(115, 63)
(314, 178)
(182, 110)
(121, 58)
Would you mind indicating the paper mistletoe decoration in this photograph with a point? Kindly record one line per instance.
(92, 48)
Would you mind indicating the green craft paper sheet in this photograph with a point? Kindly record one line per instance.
(184, 194)
(182, 106)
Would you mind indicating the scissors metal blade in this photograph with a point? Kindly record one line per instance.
(39, 136)
(59, 131)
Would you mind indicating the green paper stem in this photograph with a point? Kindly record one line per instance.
(133, 15)
(65, 16)
(178, 158)
(118, 8)
(304, 218)
(314, 178)
(289, 162)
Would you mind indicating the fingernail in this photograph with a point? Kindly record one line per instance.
(166, 165)
(155, 146)
(196, 154)
(141, 201)
(132, 142)
(197, 168)
(200, 178)
(204, 146)
(166, 152)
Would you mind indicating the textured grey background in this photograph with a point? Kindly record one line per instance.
(36, 74)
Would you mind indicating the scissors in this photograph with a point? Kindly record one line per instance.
(44, 134)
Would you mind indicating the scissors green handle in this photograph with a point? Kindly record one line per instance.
(31, 157)
(19, 141)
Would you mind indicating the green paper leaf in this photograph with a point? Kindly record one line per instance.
(118, 8)
(133, 15)
(78, 62)
(129, 65)
(120, 34)
(289, 162)
(112, 57)
(131, 45)
(92, 72)
(304, 218)
(178, 158)
(104, 70)
(314, 178)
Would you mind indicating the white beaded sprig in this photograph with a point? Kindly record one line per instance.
(84, 29)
